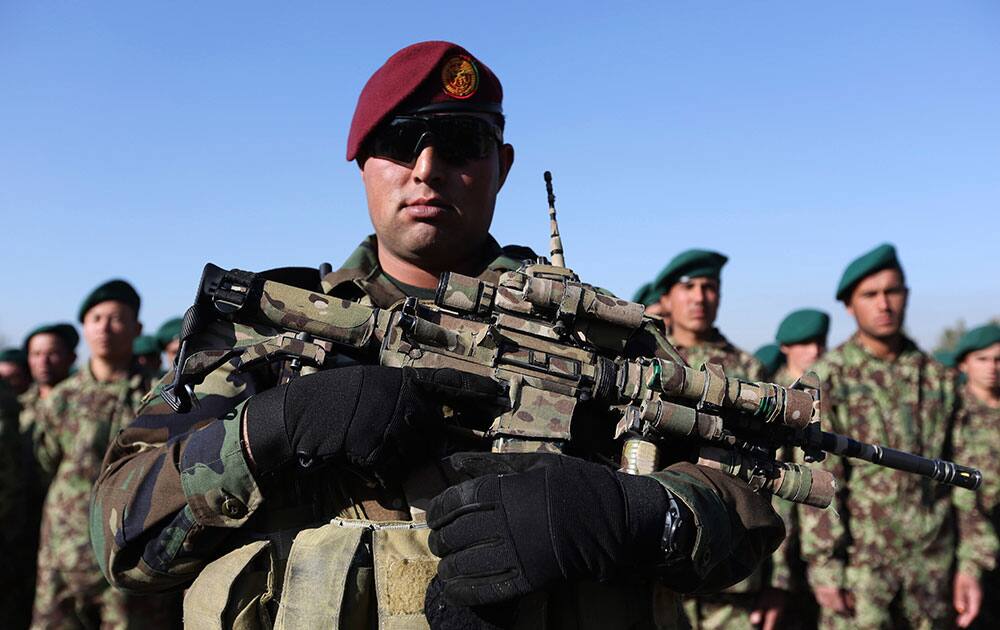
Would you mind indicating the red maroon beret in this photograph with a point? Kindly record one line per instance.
(424, 77)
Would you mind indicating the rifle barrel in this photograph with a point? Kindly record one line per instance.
(939, 470)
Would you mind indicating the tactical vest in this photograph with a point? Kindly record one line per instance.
(358, 574)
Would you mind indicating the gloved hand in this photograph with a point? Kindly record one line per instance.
(380, 419)
(503, 536)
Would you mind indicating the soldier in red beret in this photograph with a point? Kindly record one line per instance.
(321, 502)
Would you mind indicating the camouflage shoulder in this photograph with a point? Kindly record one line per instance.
(61, 394)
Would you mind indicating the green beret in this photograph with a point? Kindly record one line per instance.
(945, 358)
(170, 330)
(882, 257)
(112, 290)
(977, 339)
(803, 325)
(65, 331)
(145, 344)
(645, 295)
(14, 355)
(694, 263)
(771, 356)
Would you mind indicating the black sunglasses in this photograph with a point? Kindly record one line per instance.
(456, 139)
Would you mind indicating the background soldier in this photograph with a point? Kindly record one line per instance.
(72, 430)
(51, 351)
(888, 559)
(258, 464)
(802, 340)
(978, 356)
(690, 290)
(14, 370)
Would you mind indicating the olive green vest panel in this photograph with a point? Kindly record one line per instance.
(329, 582)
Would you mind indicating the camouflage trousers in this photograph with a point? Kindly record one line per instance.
(721, 612)
(732, 612)
(917, 597)
(70, 601)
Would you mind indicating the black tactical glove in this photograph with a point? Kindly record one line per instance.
(380, 419)
(503, 536)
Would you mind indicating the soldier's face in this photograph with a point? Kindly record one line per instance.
(694, 304)
(109, 329)
(15, 376)
(432, 213)
(49, 359)
(801, 356)
(878, 304)
(982, 367)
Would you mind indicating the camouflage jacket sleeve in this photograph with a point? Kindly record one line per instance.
(824, 538)
(974, 446)
(45, 433)
(737, 529)
(172, 484)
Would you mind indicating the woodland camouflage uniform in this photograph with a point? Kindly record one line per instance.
(894, 541)
(176, 494)
(980, 427)
(730, 608)
(788, 568)
(72, 431)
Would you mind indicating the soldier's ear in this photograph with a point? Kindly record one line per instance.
(506, 156)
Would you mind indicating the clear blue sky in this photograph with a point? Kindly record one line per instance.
(144, 139)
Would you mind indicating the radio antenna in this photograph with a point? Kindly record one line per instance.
(555, 242)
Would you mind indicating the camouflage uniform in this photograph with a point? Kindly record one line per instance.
(893, 542)
(72, 431)
(788, 568)
(980, 436)
(731, 608)
(176, 500)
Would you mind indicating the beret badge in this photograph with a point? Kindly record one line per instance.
(460, 77)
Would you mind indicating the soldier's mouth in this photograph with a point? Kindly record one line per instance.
(427, 208)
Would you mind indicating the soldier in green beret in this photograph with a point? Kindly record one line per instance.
(72, 431)
(800, 342)
(690, 289)
(169, 336)
(802, 339)
(14, 370)
(887, 560)
(51, 352)
(978, 357)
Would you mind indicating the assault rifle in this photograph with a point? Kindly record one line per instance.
(554, 342)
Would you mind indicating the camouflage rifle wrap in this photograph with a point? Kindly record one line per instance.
(554, 342)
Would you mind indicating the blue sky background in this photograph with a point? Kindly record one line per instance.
(144, 139)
